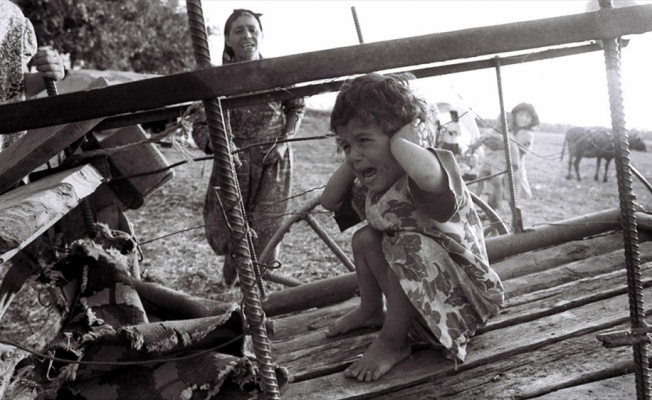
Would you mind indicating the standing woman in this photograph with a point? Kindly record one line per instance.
(265, 176)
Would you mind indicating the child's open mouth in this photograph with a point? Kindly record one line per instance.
(368, 175)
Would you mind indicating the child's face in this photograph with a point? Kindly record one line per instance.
(523, 119)
(367, 150)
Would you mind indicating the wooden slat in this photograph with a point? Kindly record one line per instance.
(341, 288)
(544, 370)
(322, 65)
(35, 148)
(26, 212)
(582, 282)
(540, 260)
(620, 387)
(483, 349)
(333, 86)
(574, 270)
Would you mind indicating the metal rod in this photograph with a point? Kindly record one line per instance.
(517, 219)
(253, 311)
(357, 24)
(627, 210)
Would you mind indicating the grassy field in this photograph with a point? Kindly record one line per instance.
(176, 253)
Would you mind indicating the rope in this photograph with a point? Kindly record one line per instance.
(230, 194)
(627, 210)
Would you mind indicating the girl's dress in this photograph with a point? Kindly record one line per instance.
(524, 138)
(435, 246)
(265, 188)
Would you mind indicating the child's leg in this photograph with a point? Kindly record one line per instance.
(392, 345)
(367, 251)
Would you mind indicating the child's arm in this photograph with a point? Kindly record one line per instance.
(337, 186)
(418, 162)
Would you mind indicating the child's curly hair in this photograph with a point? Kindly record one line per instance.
(386, 99)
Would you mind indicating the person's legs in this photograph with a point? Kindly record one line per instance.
(367, 251)
(375, 279)
(392, 345)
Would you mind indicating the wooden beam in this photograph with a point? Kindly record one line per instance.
(26, 212)
(35, 148)
(285, 71)
(176, 111)
(333, 290)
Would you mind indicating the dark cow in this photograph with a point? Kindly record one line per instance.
(594, 143)
(588, 143)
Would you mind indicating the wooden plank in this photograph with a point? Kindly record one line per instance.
(333, 86)
(620, 387)
(311, 320)
(519, 309)
(530, 306)
(575, 270)
(343, 287)
(285, 71)
(483, 349)
(547, 370)
(540, 260)
(26, 212)
(524, 308)
(36, 147)
(581, 278)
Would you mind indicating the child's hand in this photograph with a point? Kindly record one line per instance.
(48, 62)
(410, 132)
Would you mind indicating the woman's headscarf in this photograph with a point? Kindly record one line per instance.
(228, 56)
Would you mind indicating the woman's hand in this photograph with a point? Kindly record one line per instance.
(48, 62)
(275, 153)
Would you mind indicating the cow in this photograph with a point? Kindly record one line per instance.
(595, 143)
(588, 143)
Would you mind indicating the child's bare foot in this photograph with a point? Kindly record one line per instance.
(356, 319)
(377, 360)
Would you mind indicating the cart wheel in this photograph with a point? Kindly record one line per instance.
(496, 225)
(304, 214)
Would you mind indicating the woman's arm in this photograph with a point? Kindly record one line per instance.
(337, 186)
(420, 164)
(293, 117)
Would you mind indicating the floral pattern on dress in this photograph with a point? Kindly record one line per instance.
(264, 188)
(17, 47)
(436, 248)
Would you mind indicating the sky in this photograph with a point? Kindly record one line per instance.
(569, 90)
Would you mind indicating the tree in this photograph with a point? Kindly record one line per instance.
(145, 36)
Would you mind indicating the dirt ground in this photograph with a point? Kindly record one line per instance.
(170, 226)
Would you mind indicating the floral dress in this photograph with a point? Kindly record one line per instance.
(17, 47)
(265, 188)
(437, 250)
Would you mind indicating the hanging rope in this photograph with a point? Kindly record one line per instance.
(232, 203)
